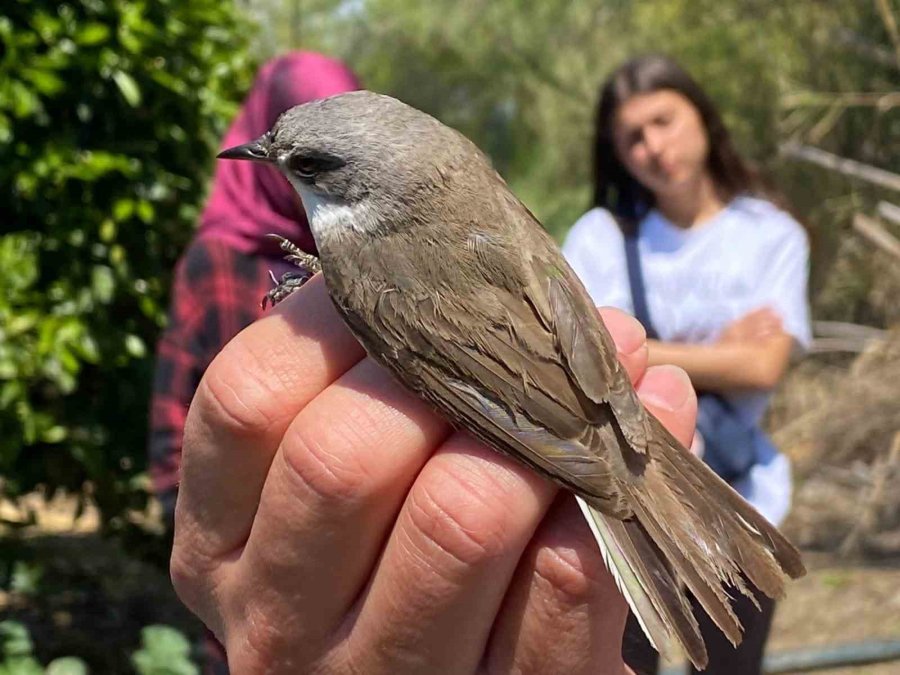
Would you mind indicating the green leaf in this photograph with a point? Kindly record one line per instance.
(55, 434)
(129, 88)
(88, 349)
(25, 101)
(108, 228)
(92, 34)
(5, 129)
(26, 578)
(21, 323)
(135, 346)
(102, 283)
(8, 371)
(26, 665)
(68, 360)
(170, 82)
(46, 25)
(15, 639)
(145, 211)
(68, 665)
(160, 639)
(45, 81)
(164, 651)
(117, 254)
(123, 209)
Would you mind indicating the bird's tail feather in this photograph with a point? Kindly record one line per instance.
(645, 581)
(689, 526)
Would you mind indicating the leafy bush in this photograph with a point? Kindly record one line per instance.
(163, 651)
(16, 649)
(109, 113)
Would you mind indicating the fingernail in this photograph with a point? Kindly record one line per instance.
(666, 387)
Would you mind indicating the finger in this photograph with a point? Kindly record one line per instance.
(333, 491)
(455, 545)
(448, 562)
(244, 403)
(764, 318)
(630, 338)
(667, 392)
(770, 313)
(563, 612)
(763, 334)
(759, 312)
(774, 324)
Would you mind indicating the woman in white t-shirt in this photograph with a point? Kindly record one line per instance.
(724, 274)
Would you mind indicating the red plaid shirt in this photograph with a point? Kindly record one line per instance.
(216, 293)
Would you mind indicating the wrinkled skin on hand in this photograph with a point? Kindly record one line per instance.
(330, 522)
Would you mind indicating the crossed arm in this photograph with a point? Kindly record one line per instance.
(752, 353)
(330, 522)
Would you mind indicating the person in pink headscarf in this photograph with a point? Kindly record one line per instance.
(224, 272)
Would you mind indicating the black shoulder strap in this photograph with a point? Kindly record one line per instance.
(636, 278)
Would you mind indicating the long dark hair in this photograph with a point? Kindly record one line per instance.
(614, 188)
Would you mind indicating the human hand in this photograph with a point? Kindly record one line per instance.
(328, 521)
(753, 327)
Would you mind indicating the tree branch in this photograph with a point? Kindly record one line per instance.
(876, 234)
(842, 165)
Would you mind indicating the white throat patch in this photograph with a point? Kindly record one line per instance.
(328, 218)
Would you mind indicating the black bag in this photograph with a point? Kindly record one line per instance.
(730, 442)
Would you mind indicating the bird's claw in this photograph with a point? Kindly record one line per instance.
(290, 281)
(295, 255)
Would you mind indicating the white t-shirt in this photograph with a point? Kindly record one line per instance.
(749, 255)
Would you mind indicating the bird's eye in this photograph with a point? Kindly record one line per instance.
(304, 167)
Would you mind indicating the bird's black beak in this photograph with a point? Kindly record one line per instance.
(257, 151)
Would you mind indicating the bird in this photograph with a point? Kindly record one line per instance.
(453, 285)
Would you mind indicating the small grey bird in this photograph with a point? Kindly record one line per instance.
(453, 285)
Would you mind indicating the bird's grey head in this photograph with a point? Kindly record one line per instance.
(362, 154)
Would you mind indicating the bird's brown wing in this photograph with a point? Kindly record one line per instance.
(532, 373)
(586, 347)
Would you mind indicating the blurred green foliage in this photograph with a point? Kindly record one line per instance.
(163, 651)
(17, 651)
(109, 115)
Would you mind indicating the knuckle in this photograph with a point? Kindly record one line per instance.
(574, 575)
(192, 580)
(330, 470)
(235, 397)
(260, 638)
(264, 639)
(463, 516)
